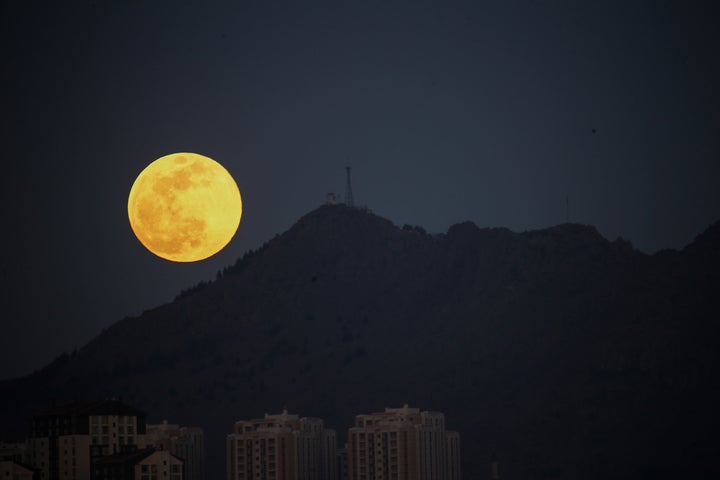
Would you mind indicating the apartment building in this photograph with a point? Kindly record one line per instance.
(402, 444)
(281, 447)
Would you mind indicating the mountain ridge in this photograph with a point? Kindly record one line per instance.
(553, 348)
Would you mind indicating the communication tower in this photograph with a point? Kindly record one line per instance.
(348, 190)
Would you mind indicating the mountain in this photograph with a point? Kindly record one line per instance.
(558, 352)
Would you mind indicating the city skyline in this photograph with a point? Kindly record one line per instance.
(107, 438)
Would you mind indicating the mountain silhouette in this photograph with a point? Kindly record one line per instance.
(555, 352)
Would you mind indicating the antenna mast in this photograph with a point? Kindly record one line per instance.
(348, 190)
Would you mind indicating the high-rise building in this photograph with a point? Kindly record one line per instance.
(65, 441)
(281, 447)
(184, 442)
(403, 444)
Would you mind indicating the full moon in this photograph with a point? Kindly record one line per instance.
(184, 207)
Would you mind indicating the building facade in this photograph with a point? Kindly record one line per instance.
(186, 443)
(281, 447)
(402, 444)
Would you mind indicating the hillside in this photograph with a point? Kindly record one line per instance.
(562, 353)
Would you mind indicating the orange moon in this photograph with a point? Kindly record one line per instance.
(184, 207)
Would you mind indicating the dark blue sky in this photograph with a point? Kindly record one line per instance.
(493, 112)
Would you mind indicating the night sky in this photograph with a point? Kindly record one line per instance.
(493, 112)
